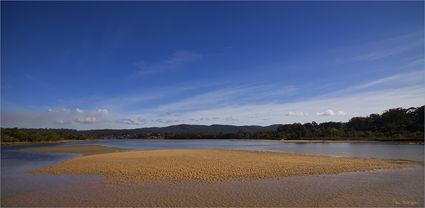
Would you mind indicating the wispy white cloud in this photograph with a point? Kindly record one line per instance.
(87, 119)
(381, 49)
(330, 112)
(242, 105)
(175, 62)
(388, 52)
(252, 103)
(291, 113)
(131, 121)
(166, 121)
(401, 78)
(78, 110)
(360, 104)
(357, 104)
(125, 103)
(58, 110)
(60, 121)
(103, 111)
(360, 100)
(404, 79)
(341, 113)
(78, 119)
(228, 96)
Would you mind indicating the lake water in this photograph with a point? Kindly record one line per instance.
(17, 181)
(374, 150)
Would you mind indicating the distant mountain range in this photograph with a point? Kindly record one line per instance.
(216, 128)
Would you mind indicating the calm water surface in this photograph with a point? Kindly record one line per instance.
(16, 164)
(375, 150)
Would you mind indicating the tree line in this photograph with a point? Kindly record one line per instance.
(40, 135)
(393, 124)
(398, 124)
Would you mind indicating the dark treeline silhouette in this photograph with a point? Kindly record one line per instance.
(394, 124)
(40, 135)
(398, 124)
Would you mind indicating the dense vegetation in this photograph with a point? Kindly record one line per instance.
(40, 135)
(397, 124)
(394, 124)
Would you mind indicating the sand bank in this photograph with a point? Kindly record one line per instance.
(77, 149)
(211, 165)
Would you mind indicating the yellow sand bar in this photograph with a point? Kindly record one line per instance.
(211, 165)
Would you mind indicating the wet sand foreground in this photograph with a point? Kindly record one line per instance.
(382, 188)
(211, 165)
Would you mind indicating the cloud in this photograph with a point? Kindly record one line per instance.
(60, 121)
(131, 121)
(257, 104)
(341, 113)
(330, 112)
(87, 119)
(247, 104)
(166, 121)
(175, 62)
(358, 104)
(388, 52)
(103, 111)
(410, 78)
(234, 95)
(290, 113)
(58, 110)
(126, 102)
(60, 118)
(78, 110)
(382, 49)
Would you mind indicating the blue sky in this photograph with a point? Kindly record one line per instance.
(89, 65)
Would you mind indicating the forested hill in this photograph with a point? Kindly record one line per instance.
(398, 124)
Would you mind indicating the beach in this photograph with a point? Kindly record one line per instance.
(203, 165)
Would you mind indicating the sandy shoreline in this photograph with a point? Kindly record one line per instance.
(205, 165)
